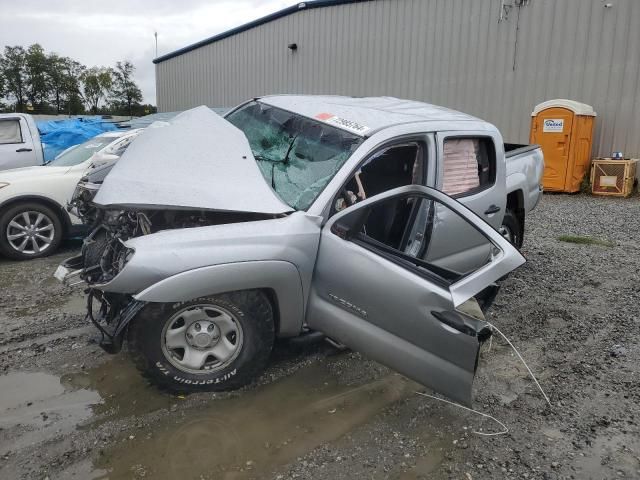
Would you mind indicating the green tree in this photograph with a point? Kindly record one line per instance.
(74, 71)
(2, 91)
(125, 92)
(96, 84)
(57, 78)
(64, 81)
(142, 110)
(12, 69)
(36, 76)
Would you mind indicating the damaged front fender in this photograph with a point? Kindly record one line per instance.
(280, 277)
(111, 315)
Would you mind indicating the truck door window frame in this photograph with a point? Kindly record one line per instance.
(424, 144)
(489, 142)
(18, 121)
(442, 277)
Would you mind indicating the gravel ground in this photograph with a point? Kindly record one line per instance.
(68, 410)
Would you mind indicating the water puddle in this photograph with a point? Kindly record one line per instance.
(249, 434)
(122, 388)
(239, 435)
(36, 407)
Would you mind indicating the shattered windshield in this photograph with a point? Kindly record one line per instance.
(296, 155)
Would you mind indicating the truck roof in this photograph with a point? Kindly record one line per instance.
(364, 115)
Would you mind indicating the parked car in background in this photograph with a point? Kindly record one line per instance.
(19, 141)
(33, 200)
(81, 204)
(370, 220)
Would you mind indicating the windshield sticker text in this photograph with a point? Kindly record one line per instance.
(343, 123)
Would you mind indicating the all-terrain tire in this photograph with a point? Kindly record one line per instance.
(511, 226)
(33, 208)
(252, 311)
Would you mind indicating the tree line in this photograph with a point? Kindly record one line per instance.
(32, 80)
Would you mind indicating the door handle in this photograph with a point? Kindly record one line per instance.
(492, 209)
(464, 324)
(24, 150)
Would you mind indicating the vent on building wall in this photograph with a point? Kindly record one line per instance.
(506, 6)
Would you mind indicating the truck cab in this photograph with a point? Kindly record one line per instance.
(19, 141)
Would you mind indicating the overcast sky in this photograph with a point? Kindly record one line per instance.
(103, 32)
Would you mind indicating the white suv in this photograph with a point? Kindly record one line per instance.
(33, 217)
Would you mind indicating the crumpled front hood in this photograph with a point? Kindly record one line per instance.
(197, 161)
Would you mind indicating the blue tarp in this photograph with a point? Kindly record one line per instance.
(145, 121)
(58, 135)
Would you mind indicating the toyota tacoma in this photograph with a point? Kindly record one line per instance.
(380, 223)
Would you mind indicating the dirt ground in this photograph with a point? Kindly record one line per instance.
(69, 410)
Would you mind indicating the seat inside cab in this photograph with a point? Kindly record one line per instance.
(385, 170)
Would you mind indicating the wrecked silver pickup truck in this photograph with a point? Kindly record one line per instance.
(300, 214)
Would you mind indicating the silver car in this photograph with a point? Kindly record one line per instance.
(293, 215)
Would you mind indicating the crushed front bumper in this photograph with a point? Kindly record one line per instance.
(69, 271)
(109, 312)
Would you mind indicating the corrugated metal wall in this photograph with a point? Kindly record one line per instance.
(448, 52)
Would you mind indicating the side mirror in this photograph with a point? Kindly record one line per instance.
(102, 158)
(351, 224)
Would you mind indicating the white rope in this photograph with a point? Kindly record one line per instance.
(522, 360)
(506, 430)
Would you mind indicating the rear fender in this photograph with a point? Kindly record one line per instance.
(281, 277)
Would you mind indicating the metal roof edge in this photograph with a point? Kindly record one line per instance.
(255, 23)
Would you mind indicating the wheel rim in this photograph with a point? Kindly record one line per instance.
(30, 232)
(202, 339)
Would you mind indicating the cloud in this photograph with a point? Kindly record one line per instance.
(101, 33)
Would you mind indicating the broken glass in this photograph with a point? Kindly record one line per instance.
(297, 156)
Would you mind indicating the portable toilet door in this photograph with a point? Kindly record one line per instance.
(564, 130)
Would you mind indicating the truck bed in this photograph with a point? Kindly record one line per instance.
(525, 166)
(514, 149)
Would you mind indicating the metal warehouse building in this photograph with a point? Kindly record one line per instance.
(495, 59)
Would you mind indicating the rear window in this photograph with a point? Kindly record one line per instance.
(469, 165)
(10, 131)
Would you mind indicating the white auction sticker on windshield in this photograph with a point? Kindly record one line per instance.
(343, 123)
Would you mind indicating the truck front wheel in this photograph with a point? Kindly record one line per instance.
(212, 343)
